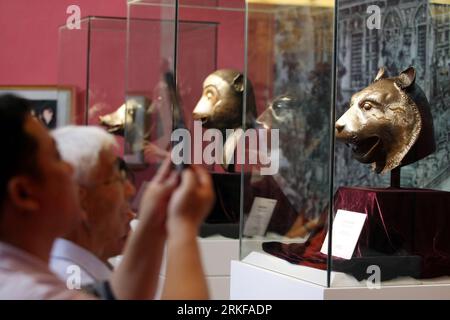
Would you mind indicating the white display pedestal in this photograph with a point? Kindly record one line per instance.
(252, 282)
(217, 253)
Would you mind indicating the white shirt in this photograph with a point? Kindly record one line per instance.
(25, 277)
(66, 254)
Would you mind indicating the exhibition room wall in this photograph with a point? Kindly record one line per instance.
(29, 37)
(31, 52)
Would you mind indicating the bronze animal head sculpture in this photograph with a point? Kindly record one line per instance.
(126, 115)
(133, 120)
(114, 122)
(221, 107)
(221, 104)
(389, 123)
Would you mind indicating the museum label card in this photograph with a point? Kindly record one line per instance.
(259, 216)
(347, 227)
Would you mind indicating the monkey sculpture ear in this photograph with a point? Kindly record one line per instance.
(381, 74)
(238, 83)
(406, 78)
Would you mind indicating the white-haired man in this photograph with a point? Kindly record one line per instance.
(39, 203)
(104, 193)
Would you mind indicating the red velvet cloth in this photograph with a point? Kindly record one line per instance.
(403, 226)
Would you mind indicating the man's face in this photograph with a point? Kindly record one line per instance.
(107, 205)
(56, 190)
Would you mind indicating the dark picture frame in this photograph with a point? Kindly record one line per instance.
(53, 105)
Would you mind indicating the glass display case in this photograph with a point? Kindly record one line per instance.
(93, 60)
(290, 64)
(365, 159)
(186, 40)
(324, 124)
(404, 193)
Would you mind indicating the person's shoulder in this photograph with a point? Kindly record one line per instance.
(66, 270)
(19, 285)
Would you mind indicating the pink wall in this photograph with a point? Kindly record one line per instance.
(29, 36)
(32, 52)
(29, 48)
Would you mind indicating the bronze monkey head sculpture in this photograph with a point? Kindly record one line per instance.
(221, 104)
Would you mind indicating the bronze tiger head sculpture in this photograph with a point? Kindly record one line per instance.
(389, 123)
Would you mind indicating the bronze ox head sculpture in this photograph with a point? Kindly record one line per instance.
(221, 104)
(389, 123)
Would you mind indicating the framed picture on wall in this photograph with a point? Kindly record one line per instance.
(52, 105)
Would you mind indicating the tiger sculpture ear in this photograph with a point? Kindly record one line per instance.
(406, 78)
(381, 74)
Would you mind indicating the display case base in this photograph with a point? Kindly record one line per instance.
(258, 282)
